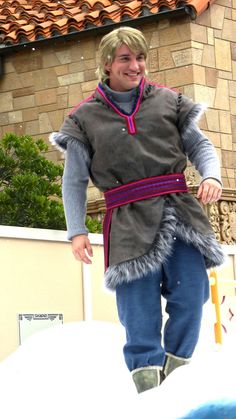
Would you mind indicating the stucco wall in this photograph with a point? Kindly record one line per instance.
(40, 275)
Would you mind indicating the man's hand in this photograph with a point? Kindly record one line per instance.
(81, 248)
(209, 191)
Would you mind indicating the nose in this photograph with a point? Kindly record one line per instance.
(134, 65)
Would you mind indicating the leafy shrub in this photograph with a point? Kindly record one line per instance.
(30, 185)
(93, 225)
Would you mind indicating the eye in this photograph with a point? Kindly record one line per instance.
(125, 58)
(140, 57)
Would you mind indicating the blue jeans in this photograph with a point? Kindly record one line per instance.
(183, 281)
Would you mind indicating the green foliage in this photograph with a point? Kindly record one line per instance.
(93, 225)
(30, 186)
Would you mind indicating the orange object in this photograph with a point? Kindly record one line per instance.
(215, 301)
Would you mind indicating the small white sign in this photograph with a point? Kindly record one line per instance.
(31, 323)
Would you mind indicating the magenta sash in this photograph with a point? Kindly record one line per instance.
(137, 191)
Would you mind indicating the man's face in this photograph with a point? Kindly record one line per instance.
(126, 70)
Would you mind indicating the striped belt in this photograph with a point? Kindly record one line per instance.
(137, 191)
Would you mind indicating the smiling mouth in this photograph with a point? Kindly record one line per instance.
(132, 75)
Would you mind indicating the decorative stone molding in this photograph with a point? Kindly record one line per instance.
(214, 218)
(227, 212)
(97, 208)
(192, 176)
(222, 214)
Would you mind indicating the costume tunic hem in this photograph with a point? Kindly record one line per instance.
(171, 227)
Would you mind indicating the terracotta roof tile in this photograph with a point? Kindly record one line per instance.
(24, 21)
(3, 18)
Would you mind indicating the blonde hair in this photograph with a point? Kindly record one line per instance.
(132, 37)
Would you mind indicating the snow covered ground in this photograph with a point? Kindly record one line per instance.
(77, 370)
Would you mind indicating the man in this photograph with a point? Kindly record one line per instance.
(132, 138)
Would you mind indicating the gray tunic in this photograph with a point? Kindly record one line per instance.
(154, 147)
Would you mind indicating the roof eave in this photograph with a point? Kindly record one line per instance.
(181, 11)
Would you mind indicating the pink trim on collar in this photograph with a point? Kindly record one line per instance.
(130, 121)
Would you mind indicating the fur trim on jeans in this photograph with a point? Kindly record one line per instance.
(171, 227)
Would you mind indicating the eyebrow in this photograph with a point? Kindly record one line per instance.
(128, 55)
(123, 55)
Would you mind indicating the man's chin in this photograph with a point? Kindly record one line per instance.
(133, 84)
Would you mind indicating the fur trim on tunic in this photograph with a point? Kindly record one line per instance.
(59, 140)
(170, 228)
(194, 115)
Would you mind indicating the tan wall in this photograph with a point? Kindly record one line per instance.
(41, 85)
(42, 276)
(214, 36)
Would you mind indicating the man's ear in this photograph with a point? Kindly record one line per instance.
(107, 67)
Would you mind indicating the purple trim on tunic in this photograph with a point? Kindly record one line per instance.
(137, 191)
(129, 118)
(106, 235)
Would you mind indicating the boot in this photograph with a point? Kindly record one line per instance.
(147, 378)
(172, 362)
